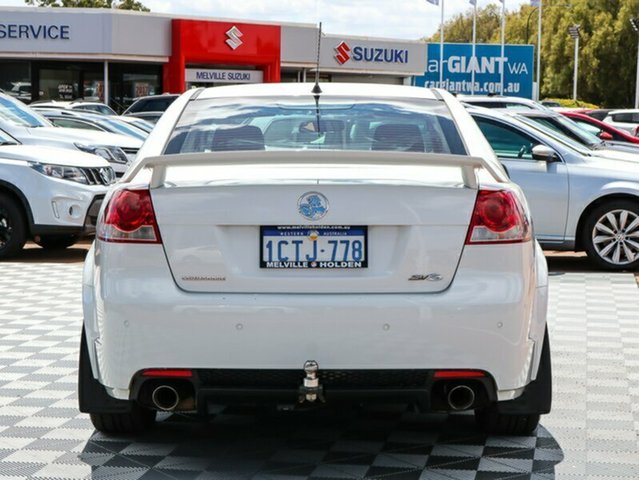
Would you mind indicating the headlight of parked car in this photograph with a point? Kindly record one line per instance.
(110, 153)
(72, 174)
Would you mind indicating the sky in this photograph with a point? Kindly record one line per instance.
(405, 19)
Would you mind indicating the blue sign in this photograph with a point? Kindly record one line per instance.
(480, 74)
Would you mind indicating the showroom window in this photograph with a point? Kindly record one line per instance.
(15, 79)
(130, 81)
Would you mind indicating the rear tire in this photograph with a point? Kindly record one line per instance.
(138, 420)
(125, 416)
(501, 424)
(535, 401)
(57, 242)
(13, 231)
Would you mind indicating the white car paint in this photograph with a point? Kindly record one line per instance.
(53, 203)
(628, 124)
(30, 128)
(142, 311)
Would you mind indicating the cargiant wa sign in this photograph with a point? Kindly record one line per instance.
(480, 74)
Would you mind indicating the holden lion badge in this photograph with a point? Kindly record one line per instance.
(312, 205)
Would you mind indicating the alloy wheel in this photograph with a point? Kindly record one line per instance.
(615, 237)
(5, 229)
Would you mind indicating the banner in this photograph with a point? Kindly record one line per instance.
(459, 66)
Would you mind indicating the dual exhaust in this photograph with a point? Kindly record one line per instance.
(459, 397)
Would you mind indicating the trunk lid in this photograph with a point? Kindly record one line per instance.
(415, 219)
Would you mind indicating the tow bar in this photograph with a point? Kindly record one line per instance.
(311, 390)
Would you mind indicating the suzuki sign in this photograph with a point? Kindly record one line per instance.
(372, 54)
(355, 54)
(481, 74)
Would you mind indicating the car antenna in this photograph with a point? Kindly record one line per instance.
(316, 88)
(316, 91)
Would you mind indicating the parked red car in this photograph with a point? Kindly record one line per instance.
(601, 129)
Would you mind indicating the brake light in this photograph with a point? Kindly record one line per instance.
(498, 218)
(173, 373)
(129, 218)
(439, 374)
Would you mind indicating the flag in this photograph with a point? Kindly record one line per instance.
(535, 3)
(434, 2)
(473, 2)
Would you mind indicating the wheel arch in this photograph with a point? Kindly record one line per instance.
(16, 193)
(579, 244)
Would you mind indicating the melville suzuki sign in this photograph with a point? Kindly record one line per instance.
(198, 75)
(481, 74)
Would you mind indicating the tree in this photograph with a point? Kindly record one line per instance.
(122, 5)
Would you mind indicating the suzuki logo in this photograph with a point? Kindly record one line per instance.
(234, 35)
(342, 56)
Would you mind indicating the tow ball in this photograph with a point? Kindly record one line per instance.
(311, 390)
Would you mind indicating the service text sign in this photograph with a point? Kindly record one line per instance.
(480, 74)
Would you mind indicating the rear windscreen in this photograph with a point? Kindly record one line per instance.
(228, 124)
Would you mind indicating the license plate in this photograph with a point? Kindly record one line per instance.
(313, 247)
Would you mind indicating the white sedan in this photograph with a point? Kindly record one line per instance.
(280, 246)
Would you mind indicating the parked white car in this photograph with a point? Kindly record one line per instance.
(50, 195)
(627, 120)
(79, 105)
(31, 128)
(360, 243)
(497, 101)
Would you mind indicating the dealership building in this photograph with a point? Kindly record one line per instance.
(56, 53)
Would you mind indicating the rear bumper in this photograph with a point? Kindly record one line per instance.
(234, 386)
(490, 318)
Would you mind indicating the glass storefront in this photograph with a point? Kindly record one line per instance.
(128, 81)
(15, 79)
(85, 80)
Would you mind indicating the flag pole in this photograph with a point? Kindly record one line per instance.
(538, 89)
(472, 75)
(441, 47)
(503, 44)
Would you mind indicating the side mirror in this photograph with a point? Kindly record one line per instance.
(544, 153)
(605, 136)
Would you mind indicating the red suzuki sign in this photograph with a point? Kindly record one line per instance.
(207, 43)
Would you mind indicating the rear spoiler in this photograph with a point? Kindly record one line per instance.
(158, 165)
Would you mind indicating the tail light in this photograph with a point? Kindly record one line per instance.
(440, 374)
(129, 218)
(174, 373)
(498, 218)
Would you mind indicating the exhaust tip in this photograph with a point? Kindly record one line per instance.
(461, 397)
(165, 398)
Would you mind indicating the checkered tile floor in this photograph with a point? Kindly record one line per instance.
(591, 433)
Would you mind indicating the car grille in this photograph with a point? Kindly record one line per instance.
(120, 156)
(99, 175)
(342, 379)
